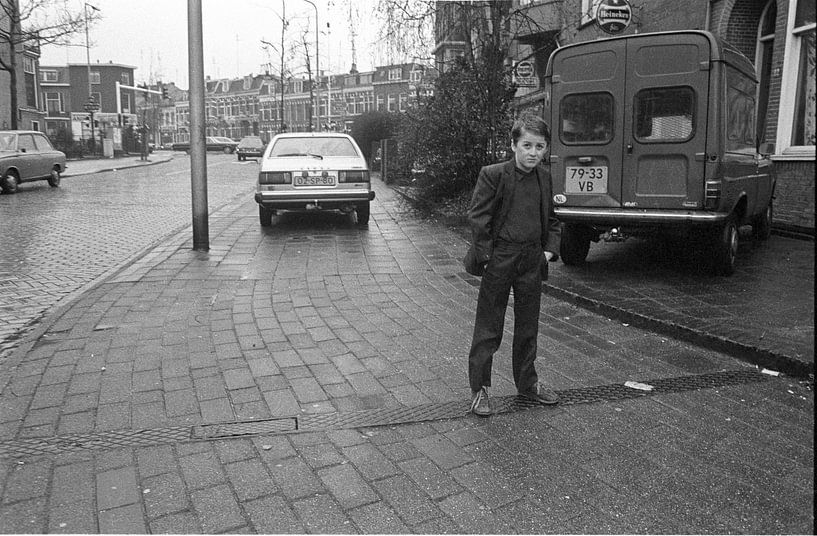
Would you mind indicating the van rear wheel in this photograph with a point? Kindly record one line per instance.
(762, 224)
(575, 243)
(725, 247)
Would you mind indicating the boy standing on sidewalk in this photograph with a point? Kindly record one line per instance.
(516, 234)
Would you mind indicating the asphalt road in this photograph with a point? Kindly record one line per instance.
(57, 241)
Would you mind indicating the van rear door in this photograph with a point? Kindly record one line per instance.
(630, 122)
(587, 139)
(665, 124)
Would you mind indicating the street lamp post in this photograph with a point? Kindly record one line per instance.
(317, 65)
(88, 62)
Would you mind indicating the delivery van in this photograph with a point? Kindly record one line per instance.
(655, 133)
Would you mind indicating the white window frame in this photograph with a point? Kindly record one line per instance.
(49, 75)
(60, 99)
(588, 11)
(95, 77)
(29, 65)
(788, 90)
(395, 74)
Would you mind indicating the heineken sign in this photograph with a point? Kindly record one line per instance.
(613, 16)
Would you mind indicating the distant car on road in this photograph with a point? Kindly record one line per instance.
(27, 155)
(250, 146)
(214, 143)
(313, 171)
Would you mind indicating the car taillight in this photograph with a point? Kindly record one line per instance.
(274, 177)
(353, 176)
(713, 194)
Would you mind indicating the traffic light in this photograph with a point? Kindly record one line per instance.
(164, 92)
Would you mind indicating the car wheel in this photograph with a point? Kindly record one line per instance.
(725, 248)
(575, 244)
(10, 182)
(227, 150)
(363, 214)
(54, 178)
(265, 216)
(762, 225)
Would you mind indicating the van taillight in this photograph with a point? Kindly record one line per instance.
(353, 176)
(713, 194)
(274, 177)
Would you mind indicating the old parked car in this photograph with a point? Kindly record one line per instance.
(27, 155)
(214, 143)
(250, 146)
(655, 134)
(313, 171)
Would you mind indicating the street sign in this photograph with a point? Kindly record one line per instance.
(91, 106)
(524, 74)
(613, 16)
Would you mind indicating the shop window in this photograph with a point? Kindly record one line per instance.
(795, 127)
(803, 127)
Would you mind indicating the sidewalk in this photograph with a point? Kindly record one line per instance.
(99, 165)
(763, 314)
(310, 377)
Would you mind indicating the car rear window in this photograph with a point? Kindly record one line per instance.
(327, 146)
(251, 142)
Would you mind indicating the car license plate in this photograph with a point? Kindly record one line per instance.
(314, 180)
(586, 180)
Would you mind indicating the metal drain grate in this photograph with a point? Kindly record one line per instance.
(235, 429)
(104, 440)
(362, 419)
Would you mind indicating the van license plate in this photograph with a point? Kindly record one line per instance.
(314, 180)
(586, 180)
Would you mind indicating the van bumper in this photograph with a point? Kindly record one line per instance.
(614, 217)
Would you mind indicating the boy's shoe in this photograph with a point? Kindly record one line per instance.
(480, 404)
(541, 394)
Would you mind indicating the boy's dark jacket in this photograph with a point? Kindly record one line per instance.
(496, 183)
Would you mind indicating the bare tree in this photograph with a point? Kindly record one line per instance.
(37, 23)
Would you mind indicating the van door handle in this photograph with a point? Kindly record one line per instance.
(585, 159)
(629, 148)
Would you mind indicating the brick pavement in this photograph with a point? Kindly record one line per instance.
(316, 315)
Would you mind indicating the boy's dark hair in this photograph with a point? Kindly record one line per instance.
(533, 124)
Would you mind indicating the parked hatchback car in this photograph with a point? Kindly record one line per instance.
(250, 146)
(214, 143)
(27, 155)
(313, 171)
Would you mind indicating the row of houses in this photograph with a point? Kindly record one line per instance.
(257, 105)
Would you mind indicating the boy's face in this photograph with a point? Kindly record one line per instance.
(529, 150)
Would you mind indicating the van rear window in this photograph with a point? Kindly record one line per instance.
(664, 114)
(586, 118)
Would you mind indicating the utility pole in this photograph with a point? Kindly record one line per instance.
(198, 154)
(317, 66)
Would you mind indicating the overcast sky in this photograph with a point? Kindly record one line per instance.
(151, 35)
